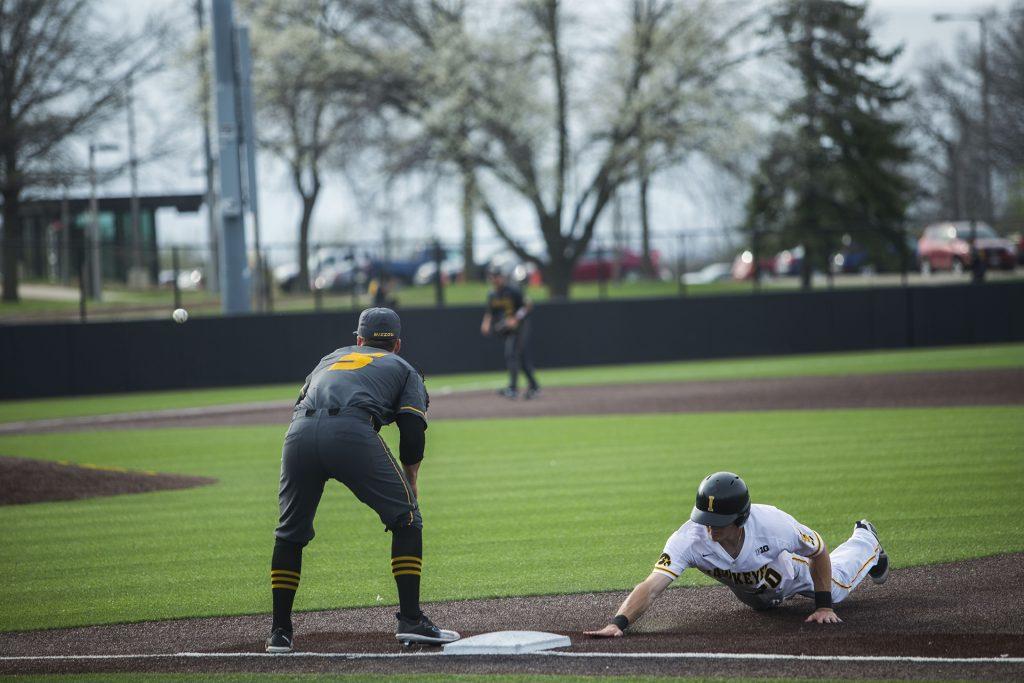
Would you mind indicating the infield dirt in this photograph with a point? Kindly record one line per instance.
(967, 609)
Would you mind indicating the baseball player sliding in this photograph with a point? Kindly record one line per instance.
(762, 554)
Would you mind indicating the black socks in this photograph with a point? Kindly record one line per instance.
(284, 581)
(406, 566)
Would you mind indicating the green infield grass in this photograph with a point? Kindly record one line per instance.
(512, 507)
(908, 360)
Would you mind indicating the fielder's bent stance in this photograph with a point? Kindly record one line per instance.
(350, 394)
(762, 554)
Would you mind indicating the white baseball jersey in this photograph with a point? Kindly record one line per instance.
(770, 567)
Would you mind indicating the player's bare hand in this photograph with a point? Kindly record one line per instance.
(824, 616)
(485, 329)
(609, 631)
(511, 324)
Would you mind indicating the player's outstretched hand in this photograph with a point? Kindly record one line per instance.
(609, 631)
(824, 616)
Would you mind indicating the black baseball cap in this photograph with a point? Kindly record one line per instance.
(379, 323)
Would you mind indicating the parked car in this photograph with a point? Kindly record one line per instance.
(330, 268)
(608, 264)
(189, 278)
(403, 269)
(743, 265)
(451, 269)
(713, 272)
(946, 246)
(789, 261)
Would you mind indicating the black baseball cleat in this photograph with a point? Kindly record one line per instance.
(422, 631)
(532, 392)
(880, 572)
(508, 392)
(280, 641)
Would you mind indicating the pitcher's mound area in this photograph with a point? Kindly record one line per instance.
(25, 481)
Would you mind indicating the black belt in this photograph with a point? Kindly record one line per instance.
(334, 412)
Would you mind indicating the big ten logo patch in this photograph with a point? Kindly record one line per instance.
(664, 561)
(762, 549)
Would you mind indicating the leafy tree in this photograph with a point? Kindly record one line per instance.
(837, 163)
(307, 111)
(498, 94)
(63, 72)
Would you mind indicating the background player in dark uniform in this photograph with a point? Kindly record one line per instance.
(507, 314)
(350, 394)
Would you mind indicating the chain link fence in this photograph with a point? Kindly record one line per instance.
(58, 281)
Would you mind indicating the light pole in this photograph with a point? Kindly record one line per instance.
(96, 271)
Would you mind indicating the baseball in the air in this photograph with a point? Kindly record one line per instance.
(180, 315)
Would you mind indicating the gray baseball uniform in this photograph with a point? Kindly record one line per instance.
(350, 394)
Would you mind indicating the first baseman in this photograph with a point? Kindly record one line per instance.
(350, 394)
(762, 554)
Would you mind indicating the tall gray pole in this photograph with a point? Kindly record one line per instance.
(252, 199)
(137, 274)
(234, 270)
(986, 126)
(213, 233)
(95, 260)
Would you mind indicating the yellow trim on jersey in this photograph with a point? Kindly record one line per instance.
(667, 571)
(821, 543)
(415, 410)
(407, 571)
(843, 585)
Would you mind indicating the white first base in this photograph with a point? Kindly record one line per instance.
(507, 643)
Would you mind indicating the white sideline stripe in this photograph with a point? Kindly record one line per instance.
(580, 655)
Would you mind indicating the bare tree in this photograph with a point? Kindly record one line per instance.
(1006, 69)
(306, 110)
(500, 100)
(62, 73)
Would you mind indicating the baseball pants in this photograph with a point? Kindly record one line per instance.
(341, 445)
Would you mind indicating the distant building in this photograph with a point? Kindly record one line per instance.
(56, 230)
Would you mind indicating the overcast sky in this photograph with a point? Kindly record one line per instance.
(163, 109)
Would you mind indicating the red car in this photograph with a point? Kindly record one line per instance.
(743, 266)
(945, 246)
(610, 264)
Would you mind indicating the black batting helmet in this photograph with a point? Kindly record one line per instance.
(722, 499)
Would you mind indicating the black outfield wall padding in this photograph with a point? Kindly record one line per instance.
(74, 359)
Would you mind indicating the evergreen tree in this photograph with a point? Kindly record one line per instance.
(836, 165)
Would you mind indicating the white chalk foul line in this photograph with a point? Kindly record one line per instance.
(579, 655)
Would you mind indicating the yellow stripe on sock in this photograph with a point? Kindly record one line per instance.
(407, 571)
(286, 586)
(283, 572)
(405, 566)
(406, 558)
(287, 582)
